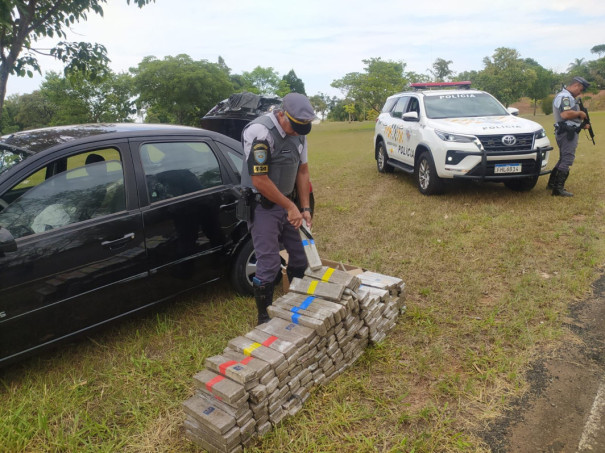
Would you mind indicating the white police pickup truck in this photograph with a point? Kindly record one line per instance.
(446, 130)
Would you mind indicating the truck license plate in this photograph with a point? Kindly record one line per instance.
(507, 168)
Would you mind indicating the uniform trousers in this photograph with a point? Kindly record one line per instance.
(567, 151)
(270, 228)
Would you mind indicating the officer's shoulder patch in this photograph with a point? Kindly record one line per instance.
(565, 103)
(260, 151)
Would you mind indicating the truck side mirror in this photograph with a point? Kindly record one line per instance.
(410, 116)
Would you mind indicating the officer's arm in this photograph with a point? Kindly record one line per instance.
(573, 114)
(269, 190)
(303, 188)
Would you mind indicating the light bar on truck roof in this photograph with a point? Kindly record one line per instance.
(428, 85)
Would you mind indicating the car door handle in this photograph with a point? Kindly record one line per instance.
(228, 205)
(118, 242)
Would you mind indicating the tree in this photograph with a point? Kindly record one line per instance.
(350, 109)
(542, 85)
(261, 81)
(577, 67)
(77, 99)
(379, 80)
(441, 70)
(596, 74)
(179, 89)
(470, 76)
(294, 83)
(23, 22)
(27, 111)
(600, 49)
(320, 103)
(506, 76)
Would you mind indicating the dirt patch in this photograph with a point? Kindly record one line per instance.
(553, 416)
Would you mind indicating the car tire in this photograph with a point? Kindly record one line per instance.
(521, 184)
(382, 158)
(243, 269)
(426, 175)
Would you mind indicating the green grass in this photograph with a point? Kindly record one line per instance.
(490, 274)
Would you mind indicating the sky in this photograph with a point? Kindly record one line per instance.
(324, 40)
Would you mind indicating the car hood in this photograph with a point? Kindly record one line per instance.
(506, 124)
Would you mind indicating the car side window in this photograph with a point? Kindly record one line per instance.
(178, 168)
(66, 191)
(388, 105)
(413, 106)
(235, 158)
(400, 107)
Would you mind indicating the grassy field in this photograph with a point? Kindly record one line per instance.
(490, 274)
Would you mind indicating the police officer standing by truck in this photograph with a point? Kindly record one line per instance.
(275, 163)
(569, 121)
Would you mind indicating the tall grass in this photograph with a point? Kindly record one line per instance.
(490, 274)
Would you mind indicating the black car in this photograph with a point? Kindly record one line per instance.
(99, 221)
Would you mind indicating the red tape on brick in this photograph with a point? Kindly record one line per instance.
(213, 381)
(269, 341)
(223, 366)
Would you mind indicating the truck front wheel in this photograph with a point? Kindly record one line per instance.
(426, 175)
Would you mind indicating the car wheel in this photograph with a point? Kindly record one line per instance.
(426, 176)
(521, 184)
(382, 158)
(243, 270)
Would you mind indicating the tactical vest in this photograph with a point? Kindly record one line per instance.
(285, 158)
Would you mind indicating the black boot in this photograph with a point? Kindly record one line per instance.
(559, 186)
(263, 295)
(295, 272)
(551, 179)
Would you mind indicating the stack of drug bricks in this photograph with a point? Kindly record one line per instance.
(318, 329)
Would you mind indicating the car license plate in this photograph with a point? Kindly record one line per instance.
(507, 168)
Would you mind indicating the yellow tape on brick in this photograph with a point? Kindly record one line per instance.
(312, 287)
(251, 348)
(326, 276)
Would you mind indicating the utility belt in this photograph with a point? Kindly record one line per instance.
(248, 202)
(563, 128)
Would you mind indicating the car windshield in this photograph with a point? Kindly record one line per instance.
(9, 157)
(462, 105)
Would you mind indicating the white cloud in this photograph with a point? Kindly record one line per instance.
(324, 40)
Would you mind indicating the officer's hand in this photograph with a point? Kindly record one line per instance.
(582, 115)
(587, 126)
(294, 216)
(307, 217)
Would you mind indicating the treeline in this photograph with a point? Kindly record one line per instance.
(180, 90)
(505, 75)
(176, 90)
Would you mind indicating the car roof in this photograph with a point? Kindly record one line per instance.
(38, 140)
(437, 92)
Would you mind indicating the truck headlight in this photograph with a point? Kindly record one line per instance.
(448, 137)
(540, 134)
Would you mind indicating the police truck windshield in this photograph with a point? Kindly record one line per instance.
(462, 105)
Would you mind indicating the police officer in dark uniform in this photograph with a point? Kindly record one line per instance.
(569, 121)
(275, 163)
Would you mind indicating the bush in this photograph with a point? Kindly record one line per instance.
(547, 104)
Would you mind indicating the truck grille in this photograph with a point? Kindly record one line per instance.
(494, 144)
